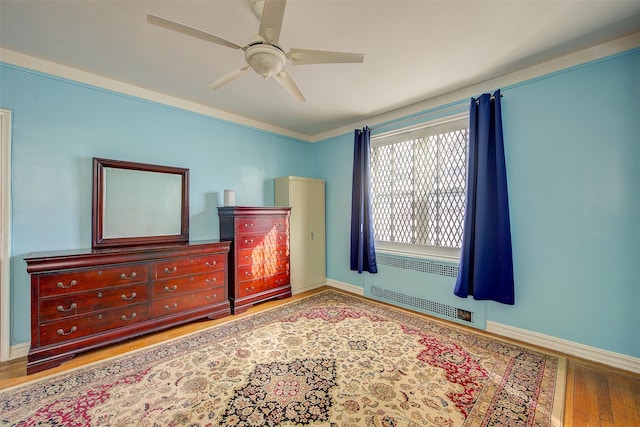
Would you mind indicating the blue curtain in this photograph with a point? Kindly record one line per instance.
(486, 263)
(363, 252)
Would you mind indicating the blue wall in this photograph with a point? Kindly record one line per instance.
(59, 126)
(573, 158)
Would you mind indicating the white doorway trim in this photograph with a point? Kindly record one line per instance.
(5, 234)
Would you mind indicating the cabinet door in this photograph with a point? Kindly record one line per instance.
(316, 218)
(306, 197)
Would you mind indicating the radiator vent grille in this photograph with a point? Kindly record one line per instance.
(422, 304)
(421, 265)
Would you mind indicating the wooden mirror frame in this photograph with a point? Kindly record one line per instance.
(99, 200)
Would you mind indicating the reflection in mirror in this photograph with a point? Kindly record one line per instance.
(132, 210)
(137, 203)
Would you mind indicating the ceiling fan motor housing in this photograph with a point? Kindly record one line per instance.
(265, 59)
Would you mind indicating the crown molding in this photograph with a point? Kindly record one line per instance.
(574, 59)
(555, 65)
(80, 76)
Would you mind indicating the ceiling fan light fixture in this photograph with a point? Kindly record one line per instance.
(266, 60)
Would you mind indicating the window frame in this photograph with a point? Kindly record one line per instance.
(425, 129)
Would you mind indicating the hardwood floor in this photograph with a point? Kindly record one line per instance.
(596, 395)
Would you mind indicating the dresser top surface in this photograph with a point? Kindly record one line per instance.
(86, 257)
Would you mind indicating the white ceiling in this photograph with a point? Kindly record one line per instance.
(414, 50)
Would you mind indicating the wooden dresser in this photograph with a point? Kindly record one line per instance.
(259, 256)
(86, 299)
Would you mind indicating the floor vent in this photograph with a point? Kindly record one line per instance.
(422, 304)
(421, 265)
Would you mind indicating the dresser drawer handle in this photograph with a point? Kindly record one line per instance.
(213, 297)
(247, 273)
(124, 276)
(170, 289)
(248, 241)
(61, 309)
(124, 318)
(213, 280)
(279, 281)
(168, 271)
(63, 286)
(175, 305)
(210, 264)
(248, 225)
(61, 332)
(249, 289)
(247, 257)
(123, 297)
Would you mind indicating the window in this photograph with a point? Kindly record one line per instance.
(418, 188)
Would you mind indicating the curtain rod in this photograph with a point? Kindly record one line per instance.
(490, 99)
(454, 107)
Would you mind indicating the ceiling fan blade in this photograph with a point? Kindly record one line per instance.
(271, 21)
(228, 77)
(309, 56)
(190, 31)
(285, 80)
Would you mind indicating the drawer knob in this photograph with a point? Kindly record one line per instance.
(72, 330)
(100, 295)
(248, 241)
(175, 305)
(211, 264)
(212, 297)
(171, 289)
(248, 225)
(213, 280)
(172, 270)
(124, 318)
(61, 309)
(63, 286)
(247, 257)
(124, 276)
(126, 298)
(249, 289)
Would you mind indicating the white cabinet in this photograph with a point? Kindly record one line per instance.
(305, 196)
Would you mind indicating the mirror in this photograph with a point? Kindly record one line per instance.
(139, 204)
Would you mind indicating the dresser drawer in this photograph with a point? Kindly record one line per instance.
(58, 307)
(83, 280)
(259, 225)
(185, 266)
(246, 289)
(252, 287)
(257, 271)
(268, 240)
(82, 326)
(260, 255)
(278, 280)
(180, 303)
(181, 285)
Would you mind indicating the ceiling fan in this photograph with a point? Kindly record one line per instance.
(263, 54)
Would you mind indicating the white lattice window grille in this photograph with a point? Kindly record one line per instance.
(418, 188)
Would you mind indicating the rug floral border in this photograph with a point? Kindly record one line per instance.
(141, 359)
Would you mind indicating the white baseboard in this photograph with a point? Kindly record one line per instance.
(346, 287)
(301, 289)
(17, 351)
(610, 358)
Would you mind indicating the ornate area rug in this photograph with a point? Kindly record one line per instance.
(327, 360)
